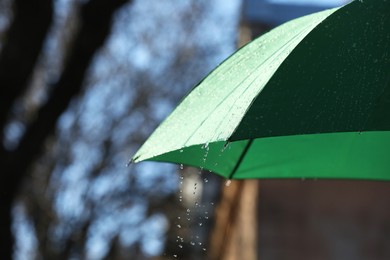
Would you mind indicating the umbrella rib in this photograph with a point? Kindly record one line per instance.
(248, 145)
(272, 56)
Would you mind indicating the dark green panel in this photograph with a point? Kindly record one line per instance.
(335, 80)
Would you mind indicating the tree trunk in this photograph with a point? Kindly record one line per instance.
(235, 232)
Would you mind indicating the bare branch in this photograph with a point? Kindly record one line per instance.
(21, 50)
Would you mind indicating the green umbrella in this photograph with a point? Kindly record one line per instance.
(309, 99)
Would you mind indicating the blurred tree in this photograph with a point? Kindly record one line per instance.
(78, 97)
(20, 51)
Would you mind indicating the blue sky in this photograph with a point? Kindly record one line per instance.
(311, 2)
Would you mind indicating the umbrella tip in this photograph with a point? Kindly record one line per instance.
(132, 160)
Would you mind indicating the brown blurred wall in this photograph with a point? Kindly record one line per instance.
(324, 220)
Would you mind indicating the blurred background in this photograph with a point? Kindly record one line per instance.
(85, 82)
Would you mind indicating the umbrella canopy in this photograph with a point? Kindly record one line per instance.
(309, 99)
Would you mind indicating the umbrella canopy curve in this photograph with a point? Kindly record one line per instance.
(309, 99)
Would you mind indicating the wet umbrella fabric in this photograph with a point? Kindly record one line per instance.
(309, 99)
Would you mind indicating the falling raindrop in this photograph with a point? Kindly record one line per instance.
(228, 182)
(179, 226)
(181, 246)
(225, 146)
(192, 243)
